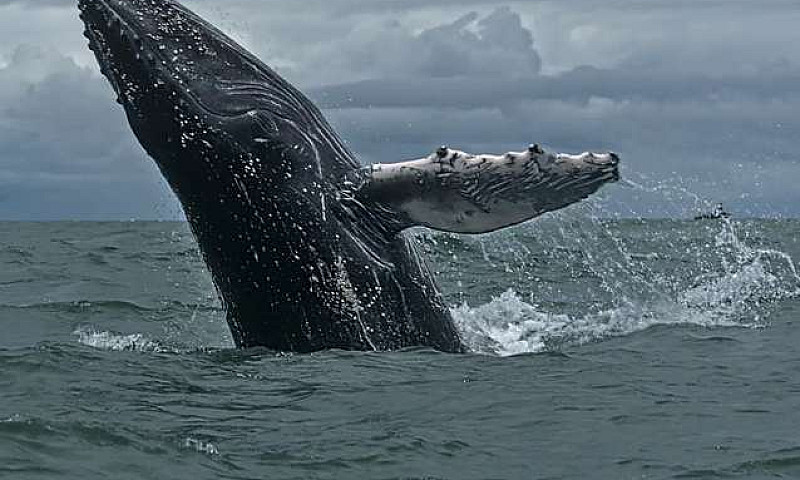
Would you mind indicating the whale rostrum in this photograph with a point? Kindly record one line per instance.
(307, 248)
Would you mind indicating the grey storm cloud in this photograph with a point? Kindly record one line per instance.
(487, 45)
(696, 94)
(499, 46)
(579, 85)
(64, 147)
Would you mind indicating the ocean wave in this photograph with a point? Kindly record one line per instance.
(734, 297)
(77, 306)
(81, 305)
(508, 325)
(200, 446)
(173, 340)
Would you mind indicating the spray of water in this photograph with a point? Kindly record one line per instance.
(626, 275)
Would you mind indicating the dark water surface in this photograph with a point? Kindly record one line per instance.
(611, 350)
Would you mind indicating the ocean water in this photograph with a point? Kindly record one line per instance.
(600, 349)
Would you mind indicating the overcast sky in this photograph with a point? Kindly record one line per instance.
(699, 97)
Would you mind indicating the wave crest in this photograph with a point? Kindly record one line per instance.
(733, 292)
(103, 340)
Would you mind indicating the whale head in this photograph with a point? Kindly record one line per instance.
(185, 84)
(156, 55)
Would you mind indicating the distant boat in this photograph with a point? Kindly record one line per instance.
(717, 213)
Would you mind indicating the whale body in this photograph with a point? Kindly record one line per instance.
(307, 248)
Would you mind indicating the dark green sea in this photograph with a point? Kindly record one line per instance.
(601, 350)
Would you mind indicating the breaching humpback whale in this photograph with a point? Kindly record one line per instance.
(306, 247)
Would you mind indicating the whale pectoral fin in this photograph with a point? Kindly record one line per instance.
(458, 192)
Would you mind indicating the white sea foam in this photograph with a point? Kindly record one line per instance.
(103, 340)
(201, 446)
(730, 297)
(507, 325)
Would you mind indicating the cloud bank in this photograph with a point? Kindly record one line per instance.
(679, 92)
